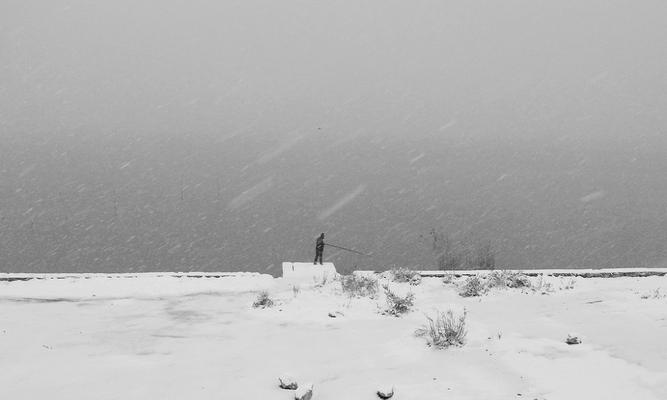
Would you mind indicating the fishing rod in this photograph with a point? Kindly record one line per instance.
(346, 249)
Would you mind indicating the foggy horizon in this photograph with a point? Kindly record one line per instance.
(225, 136)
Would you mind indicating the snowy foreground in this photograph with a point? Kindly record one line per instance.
(162, 337)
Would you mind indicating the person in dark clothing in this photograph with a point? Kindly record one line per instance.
(319, 249)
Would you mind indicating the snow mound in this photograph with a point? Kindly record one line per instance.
(141, 285)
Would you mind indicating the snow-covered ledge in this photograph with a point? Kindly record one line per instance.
(584, 273)
(27, 276)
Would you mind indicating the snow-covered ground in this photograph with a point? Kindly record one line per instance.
(165, 337)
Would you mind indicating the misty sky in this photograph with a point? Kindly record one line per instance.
(226, 135)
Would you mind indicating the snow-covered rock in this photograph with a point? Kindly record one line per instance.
(305, 392)
(386, 392)
(288, 382)
(572, 339)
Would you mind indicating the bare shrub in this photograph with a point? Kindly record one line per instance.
(448, 254)
(263, 300)
(569, 284)
(507, 279)
(398, 305)
(404, 274)
(473, 286)
(653, 295)
(444, 330)
(478, 285)
(359, 285)
(485, 257)
(518, 280)
(542, 287)
(497, 279)
(461, 254)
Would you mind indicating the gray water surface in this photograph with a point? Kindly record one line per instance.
(226, 135)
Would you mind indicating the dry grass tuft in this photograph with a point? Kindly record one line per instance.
(359, 285)
(406, 275)
(444, 330)
(653, 295)
(507, 279)
(263, 300)
(398, 305)
(473, 286)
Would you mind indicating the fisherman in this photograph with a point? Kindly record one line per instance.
(319, 249)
